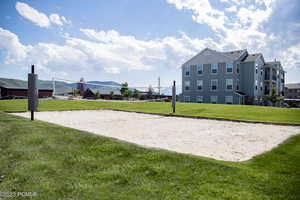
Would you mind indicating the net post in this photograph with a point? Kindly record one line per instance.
(174, 96)
(32, 92)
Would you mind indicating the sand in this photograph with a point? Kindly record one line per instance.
(222, 140)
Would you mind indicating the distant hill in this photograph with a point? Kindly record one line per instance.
(168, 91)
(61, 87)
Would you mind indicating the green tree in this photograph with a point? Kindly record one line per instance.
(274, 97)
(128, 93)
(136, 93)
(97, 95)
(124, 88)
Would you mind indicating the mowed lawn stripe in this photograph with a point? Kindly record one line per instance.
(233, 112)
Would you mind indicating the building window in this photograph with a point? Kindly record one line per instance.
(261, 85)
(237, 84)
(229, 67)
(199, 84)
(228, 99)
(187, 98)
(187, 71)
(187, 85)
(229, 84)
(255, 84)
(214, 85)
(238, 68)
(214, 68)
(199, 99)
(200, 69)
(214, 99)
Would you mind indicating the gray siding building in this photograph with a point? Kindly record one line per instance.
(234, 77)
(292, 91)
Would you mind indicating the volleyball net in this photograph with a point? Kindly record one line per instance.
(109, 90)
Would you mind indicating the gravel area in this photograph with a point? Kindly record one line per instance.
(222, 140)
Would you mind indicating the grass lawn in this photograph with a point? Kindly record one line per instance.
(63, 163)
(234, 112)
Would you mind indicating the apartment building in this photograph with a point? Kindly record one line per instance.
(234, 77)
(292, 91)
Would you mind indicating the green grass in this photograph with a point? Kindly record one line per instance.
(233, 112)
(63, 163)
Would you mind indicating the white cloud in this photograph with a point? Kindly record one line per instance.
(291, 57)
(55, 19)
(204, 13)
(231, 9)
(9, 42)
(245, 28)
(40, 18)
(240, 31)
(104, 51)
(32, 14)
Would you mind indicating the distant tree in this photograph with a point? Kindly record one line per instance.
(76, 92)
(136, 93)
(128, 93)
(111, 94)
(150, 92)
(124, 88)
(97, 95)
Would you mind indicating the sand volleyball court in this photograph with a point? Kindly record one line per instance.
(222, 140)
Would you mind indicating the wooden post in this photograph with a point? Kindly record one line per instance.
(32, 92)
(174, 96)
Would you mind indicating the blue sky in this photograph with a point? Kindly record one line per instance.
(137, 41)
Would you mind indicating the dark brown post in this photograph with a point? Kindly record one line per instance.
(174, 96)
(32, 92)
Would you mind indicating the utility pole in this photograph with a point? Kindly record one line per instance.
(53, 86)
(159, 85)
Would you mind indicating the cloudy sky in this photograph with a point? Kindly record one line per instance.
(139, 40)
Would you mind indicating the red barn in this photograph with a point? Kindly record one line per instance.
(13, 92)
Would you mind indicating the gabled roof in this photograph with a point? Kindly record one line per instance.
(235, 54)
(252, 57)
(292, 85)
